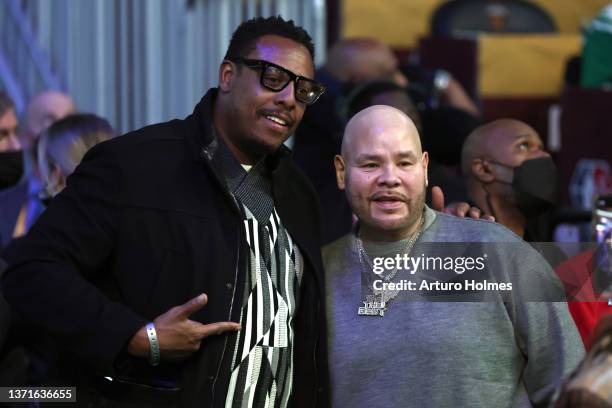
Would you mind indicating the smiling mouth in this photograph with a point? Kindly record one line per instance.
(277, 120)
(390, 202)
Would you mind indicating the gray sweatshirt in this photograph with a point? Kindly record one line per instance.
(447, 354)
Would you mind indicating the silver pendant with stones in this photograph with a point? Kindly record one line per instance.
(374, 305)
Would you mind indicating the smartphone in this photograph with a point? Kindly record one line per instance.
(602, 219)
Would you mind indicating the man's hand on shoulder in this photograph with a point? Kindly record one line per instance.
(178, 336)
(456, 209)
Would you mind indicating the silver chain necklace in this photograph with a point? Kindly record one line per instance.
(376, 303)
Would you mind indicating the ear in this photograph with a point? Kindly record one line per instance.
(54, 182)
(482, 170)
(340, 171)
(425, 161)
(227, 72)
(57, 179)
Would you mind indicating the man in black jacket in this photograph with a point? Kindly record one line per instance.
(117, 267)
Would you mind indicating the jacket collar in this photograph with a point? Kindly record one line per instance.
(202, 139)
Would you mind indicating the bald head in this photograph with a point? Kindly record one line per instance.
(378, 121)
(43, 110)
(383, 171)
(345, 51)
(507, 141)
(363, 59)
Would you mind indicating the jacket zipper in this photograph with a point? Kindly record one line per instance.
(229, 316)
(204, 154)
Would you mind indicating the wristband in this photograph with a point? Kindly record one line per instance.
(154, 355)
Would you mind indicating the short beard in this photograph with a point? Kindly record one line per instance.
(254, 150)
(248, 146)
(416, 211)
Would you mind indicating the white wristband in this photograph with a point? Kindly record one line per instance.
(154, 355)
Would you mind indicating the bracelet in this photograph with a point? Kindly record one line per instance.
(154, 355)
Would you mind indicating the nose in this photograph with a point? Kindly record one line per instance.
(286, 96)
(16, 142)
(12, 142)
(389, 176)
(542, 153)
(539, 154)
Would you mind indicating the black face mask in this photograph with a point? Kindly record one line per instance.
(11, 168)
(535, 184)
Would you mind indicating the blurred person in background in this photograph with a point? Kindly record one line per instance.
(445, 129)
(44, 109)
(63, 145)
(587, 388)
(437, 87)
(351, 61)
(13, 361)
(380, 92)
(587, 276)
(8, 130)
(510, 175)
(26, 357)
(12, 192)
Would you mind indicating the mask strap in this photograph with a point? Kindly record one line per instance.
(503, 165)
(499, 163)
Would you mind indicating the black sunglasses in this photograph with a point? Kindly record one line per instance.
(276, 78)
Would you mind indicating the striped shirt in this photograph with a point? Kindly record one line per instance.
(262, 362)
(261, 365)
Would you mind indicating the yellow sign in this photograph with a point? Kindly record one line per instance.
(400, 23)
(524, 65)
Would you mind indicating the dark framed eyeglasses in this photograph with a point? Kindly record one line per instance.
(275, 78)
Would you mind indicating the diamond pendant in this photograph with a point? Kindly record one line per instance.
(374, 305)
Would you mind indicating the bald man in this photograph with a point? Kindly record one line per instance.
(46, 108)
(388, 345)
(509, 174)
(363, 59)
(357, 60)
